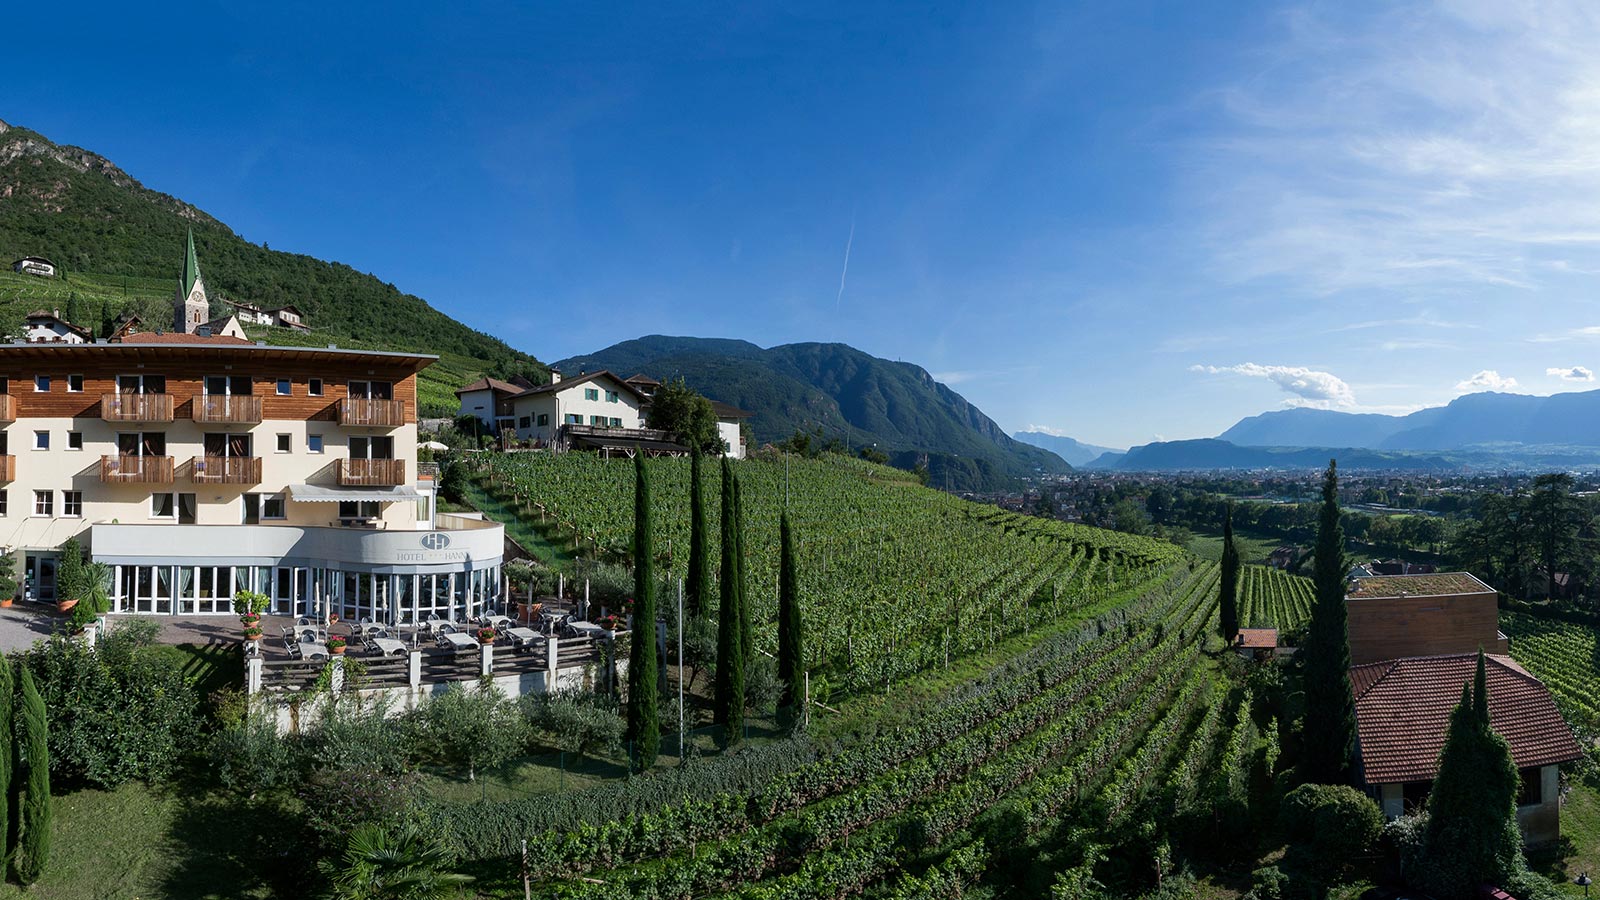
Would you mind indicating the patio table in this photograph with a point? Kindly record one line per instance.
(522, 637)
(387, 646)
(456, 641)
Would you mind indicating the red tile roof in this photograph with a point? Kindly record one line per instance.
(179, 337)
(1258, 638)
(486, 384)
(1403, 708)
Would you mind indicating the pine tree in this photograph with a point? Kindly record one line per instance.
(644, 721)
(32, 774)
(728, 696)
(1472, 835)
(791, 648)
(699, 586)
(1229, 597)
(8, 695)
(1330, 721)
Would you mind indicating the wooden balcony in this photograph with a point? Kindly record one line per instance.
(225, 470)
(116, 469)
(8, 408)
(8, 469)
(136, 408)
(210, 410)
(372, 413)
(372, 472)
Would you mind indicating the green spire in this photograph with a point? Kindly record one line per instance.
(191, 267)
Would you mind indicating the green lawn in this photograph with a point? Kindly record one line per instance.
(1254, 548)
(1579, 848)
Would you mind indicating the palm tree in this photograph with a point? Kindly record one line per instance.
(403, 865)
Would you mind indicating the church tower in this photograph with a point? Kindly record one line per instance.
(190, 308)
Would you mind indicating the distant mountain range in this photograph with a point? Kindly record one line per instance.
(837, 391)
(1073, 451)
(1485, 430)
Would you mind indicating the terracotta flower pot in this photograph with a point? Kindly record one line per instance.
(65, 605)
(6, 603)
(337, 651)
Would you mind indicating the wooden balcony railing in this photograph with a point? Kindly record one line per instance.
(374, 413)
(136, 407)
(227, 410)
(372, 472)
(8, 408)
(8, 469)
(115, 469)
(225, 470)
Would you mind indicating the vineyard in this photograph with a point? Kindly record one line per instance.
(1564, 657)
(896, 578)
(1272, 598)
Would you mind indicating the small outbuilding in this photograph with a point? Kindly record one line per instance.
(1256, 643)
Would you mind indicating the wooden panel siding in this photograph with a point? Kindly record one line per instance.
(224, 410)
(8, 408)
(116, 469)
(225, 470)
(185, 373)
(8, 468)
(115, 407)
(1397, 627)
(372, 472)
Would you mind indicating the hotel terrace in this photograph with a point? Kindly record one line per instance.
(197, 466)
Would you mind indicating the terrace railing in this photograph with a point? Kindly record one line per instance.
(225, 470)
(212, 410)
(369, 412)
(136, 407)
(117, 469)
(371, 472)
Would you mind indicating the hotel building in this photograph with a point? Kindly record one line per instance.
(198, 465)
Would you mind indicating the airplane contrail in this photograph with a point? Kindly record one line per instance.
(838, 300)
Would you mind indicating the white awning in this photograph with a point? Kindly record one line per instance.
(327, 493)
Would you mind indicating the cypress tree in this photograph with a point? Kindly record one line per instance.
(746, 641)
(32, 774)
(791, 653)
(8, 693)
(1330, 722)
(1229, 598)
(1472, 836)
(728, 696)
(644, 721)
(699, 581)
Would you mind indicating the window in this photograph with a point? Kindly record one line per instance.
(313, 443)
(574, 419)
(372, 448)
(314, 387)
(272, 507)
(41, 384)
(72, 504)
(285, 443)
(227, 386)
(611, 397)
(524, 422)
(358, 509)
(1531, 789)
(74, 384)
(616, 422)
(44, 503)
(162, 506)
(544, 419)
(141, 384)
(3, 504)
(41, 440)
(372, 390)
(142, 443)
(284, 387)
(74, 440)
(591, 393)
(597, 421)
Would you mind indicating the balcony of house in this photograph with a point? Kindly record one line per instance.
(225, 470)
(136, 408)
(8, 468)
(212, 410)
(118, 469)
(372, 472)
(8, 409)
(372, 412)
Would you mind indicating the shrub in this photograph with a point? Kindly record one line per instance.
(1333, 823)
(338, 802)
(251, 756)
(1268, 883)
(348, 735)
(575, 721)
(473, 729)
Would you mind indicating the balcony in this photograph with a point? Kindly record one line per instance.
(372, 472)
(8, 469)
(225, 470)
(211, 410)
(8, 409)
(115, 469)
(136, 408)
(373, 413)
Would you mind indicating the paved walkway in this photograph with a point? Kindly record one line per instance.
(25, 623)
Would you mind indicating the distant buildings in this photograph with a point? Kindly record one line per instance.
(34, 265)
(47, 327)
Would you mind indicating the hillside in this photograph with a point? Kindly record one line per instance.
(840, 392)
(1211, 453)
(1075, 452)
(120, 247)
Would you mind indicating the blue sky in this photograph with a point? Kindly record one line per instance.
(1122, 222)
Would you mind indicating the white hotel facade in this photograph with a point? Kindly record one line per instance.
(197, 466)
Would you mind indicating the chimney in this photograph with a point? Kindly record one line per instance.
(555, 377)
(203, 331)
(56, 312)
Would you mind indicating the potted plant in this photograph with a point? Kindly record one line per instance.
(248, 606)
(8, 579)
(486, 635)
(252, 632)
(610, 622)
(336, 644)
(71, 580)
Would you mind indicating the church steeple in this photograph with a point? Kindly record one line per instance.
(190, 308)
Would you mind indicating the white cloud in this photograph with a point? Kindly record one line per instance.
(1410, 147)
(1046, 429)
(1571, 373)
(1311, 388)
(1571, 334)
(1486, 380)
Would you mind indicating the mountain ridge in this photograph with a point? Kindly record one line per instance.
(1074, 451)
